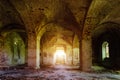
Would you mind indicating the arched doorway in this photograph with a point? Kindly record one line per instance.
(55, 40)
(106, 45)
(15, 49)
(60, 57)
(14, 44)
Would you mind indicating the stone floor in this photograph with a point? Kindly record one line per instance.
(58, 72)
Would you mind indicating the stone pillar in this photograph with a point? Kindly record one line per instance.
(31, 50)
(86, 55)
(38, 53)
(86, 44)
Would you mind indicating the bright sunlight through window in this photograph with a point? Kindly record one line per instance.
(105, 50)
(59, 57)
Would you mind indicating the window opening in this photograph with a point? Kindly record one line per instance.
(105, 50)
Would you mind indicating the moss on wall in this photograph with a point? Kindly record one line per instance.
(14, 47)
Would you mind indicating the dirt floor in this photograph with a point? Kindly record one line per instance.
(58, 72)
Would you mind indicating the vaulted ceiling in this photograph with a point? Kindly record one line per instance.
(73, 15)
(67, 17)
(35, 13)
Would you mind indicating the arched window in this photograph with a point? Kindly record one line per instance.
(105, 50)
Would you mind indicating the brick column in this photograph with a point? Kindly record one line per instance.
(86, 55)
(31, 50)
(86, 43)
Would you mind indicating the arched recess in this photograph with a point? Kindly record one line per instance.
(99, 12)
(52, 36)
(14, 45)
(109, 32)
(38, 51)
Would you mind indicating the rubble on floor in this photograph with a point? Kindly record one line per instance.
(56, 73)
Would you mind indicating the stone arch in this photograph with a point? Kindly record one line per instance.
(38, 39)
(14, 43)
(109, 32)
(47, 28)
